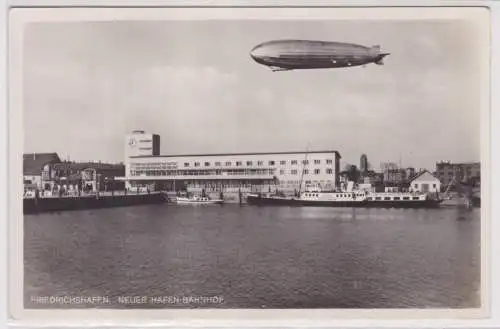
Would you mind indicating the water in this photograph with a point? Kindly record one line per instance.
(251, 257)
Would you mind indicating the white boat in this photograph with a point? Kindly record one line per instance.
(349, 198)
(201, 200)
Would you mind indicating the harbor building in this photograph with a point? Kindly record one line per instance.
(395, 177)
(33, 169)
(88, 176)
(140, 143)
(425, 182)
(363, 165)
(46, 173)
(448, 172)
(229, 172)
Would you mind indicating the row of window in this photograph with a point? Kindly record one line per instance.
(259, 163)
(267, 172)
(396, 198)
(306, 171)
(337, 195)
(230, 163)
(442, 175)
(163, 172)
(433, 185)
(468, 171)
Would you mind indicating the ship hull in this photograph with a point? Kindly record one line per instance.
(272, 201)
(187, 201)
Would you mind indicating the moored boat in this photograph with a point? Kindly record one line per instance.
(362, 199)
(197, 200)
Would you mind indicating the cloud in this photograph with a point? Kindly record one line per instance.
(88, 84)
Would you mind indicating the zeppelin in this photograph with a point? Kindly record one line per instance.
(282, 55)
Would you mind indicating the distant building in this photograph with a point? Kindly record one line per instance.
(103, 178)
(410, 172)
(394, 177)
(388, 166)
(425, 182)
(36, 168)
(375, 179)
(363, 164)
(461, 172)
(89, 176)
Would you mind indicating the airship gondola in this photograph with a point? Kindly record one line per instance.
(282, 55)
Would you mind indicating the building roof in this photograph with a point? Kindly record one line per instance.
(33, 162)
(457, 164)
(235, 154)
(79, 166)
(420, 174)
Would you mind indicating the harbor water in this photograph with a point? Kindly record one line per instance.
(231, 256)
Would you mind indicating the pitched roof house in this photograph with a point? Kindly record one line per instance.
(33, 163)
(425, 181)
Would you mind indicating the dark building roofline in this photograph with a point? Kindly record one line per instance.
(35, 155)
(472, 163)
(33, 162)
(236, 154)
(85, 165)
(417, 175)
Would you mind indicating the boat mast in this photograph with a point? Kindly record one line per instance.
(303, 168)
(449, 186)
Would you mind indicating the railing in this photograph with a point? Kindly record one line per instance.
(195, 177)
(73, 194)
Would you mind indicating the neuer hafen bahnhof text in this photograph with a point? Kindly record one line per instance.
(245, 172)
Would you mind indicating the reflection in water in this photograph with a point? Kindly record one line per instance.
(464, 213)
(273, 257)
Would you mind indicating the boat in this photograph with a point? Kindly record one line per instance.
(463, 197)
(361, 199)
(347, 197)
(197, 200)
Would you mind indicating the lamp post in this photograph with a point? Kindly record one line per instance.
(98, 183)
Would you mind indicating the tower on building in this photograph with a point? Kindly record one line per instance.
(140, 143)
(363, 164)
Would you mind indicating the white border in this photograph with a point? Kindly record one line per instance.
(226, 317)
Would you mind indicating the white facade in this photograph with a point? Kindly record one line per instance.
(425, 182)
(140, 143)
(272, 170)
(283, 170)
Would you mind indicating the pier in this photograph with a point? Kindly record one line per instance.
(101, 200)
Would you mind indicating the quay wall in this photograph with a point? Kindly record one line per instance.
(37, 205)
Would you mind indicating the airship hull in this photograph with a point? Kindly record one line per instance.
(304, 54)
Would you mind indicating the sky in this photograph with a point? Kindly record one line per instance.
(88, 84)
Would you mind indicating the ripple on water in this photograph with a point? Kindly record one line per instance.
(272, 257)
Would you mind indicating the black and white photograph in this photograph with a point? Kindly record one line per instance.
(251, 159)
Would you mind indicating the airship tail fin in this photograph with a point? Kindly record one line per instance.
(374, 50)
(380, 59)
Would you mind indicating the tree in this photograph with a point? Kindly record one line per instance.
(353, 173)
